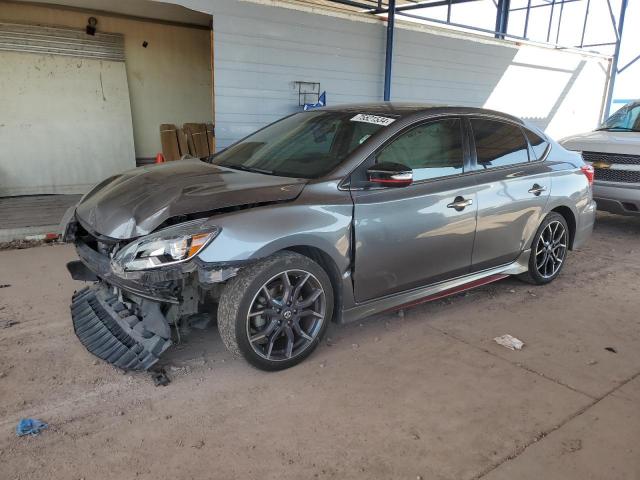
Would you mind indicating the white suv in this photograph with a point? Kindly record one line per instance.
(614, 151)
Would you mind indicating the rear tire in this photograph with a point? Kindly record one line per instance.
(275, 312)
(548, 250)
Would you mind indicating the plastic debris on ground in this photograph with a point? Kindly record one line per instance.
(30, 426)
(160, 378)
(512, 343)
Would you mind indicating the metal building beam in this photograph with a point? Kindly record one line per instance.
(562, 2)
(388, 61)
(584, 25)
(614, 62)
(553, 4)
(421, 5)
(502, 17)
(364, 6)
(526, 19)
(542, 5)
(620, 70)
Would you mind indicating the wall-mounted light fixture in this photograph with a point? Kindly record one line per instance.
(91, 25)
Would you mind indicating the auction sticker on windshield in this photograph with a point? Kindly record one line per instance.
(375, 119)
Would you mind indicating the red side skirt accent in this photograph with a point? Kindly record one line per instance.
(452, 291)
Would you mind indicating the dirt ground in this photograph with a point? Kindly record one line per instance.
(424, 395)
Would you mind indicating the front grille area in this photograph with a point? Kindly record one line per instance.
(624, 176)
(611, 175)
(611, 158)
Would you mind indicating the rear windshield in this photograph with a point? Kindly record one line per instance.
(304, 145)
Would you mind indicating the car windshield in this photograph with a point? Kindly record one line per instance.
(627, 119)
(303, 145)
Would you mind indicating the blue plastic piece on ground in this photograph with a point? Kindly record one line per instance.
(30, 426)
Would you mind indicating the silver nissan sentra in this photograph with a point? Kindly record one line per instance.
(328, 215)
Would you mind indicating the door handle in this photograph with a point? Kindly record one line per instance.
(459, 203)
(537, 189)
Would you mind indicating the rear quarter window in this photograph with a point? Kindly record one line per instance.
(538, 144)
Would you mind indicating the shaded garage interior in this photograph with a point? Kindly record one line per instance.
(79, 108)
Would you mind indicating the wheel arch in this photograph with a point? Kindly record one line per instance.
(328, 264)
(570, 218)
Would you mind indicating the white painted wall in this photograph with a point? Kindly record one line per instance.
(169, 81)
(65, 123)
(262, 47)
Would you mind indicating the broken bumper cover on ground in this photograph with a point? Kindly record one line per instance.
(109, 330)
(120, 320)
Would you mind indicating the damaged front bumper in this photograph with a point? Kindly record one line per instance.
(157, 285)
(116, 331)
(125, 317)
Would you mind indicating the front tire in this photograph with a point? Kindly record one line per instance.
(275, 312)
(548, 250)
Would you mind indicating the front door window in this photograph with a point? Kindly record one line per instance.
(432, 150)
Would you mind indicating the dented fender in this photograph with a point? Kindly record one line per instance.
(259, 232)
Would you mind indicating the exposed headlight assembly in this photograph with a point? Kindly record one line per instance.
(167, 247)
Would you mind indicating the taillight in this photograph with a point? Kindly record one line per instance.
(588, 172)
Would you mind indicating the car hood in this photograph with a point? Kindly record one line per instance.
(136, 202)
(627, 143)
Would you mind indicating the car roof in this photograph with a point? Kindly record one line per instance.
(407, 109)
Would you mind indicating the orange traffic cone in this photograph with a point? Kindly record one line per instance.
(160, 158)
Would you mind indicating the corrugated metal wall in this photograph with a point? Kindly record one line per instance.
(61, 41)
(261, 50)
(446, 69)
(560, 91)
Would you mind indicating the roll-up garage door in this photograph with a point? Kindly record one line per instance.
(65, 115)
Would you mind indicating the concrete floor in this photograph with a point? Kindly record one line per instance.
(424, 395)
(32, 215)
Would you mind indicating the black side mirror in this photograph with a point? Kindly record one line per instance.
(390, 174)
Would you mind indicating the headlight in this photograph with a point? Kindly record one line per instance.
(166, 247)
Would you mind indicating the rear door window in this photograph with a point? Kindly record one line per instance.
(538, 144)
(499, 144)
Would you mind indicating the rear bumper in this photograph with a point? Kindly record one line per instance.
(622, 199)
(114, 331)
(584, 224)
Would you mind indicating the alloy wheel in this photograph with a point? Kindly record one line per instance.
(286, 315)
(551, 249)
